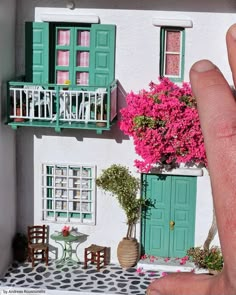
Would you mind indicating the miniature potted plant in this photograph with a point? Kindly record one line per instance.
(101, 115)
(20, 110)
(211, 259)
(19, 246)
(65, 231)
(67, 84)
(118, 180)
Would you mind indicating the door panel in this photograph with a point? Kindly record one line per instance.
(155, 236)
(183, 201)
(174, 199)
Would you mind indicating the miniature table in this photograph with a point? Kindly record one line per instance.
(66, 244)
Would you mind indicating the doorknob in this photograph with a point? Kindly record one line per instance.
(172, 225)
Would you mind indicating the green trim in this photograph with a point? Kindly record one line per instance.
(102, 54)
(37, 52)
(70, 215)
(162, 44)
(73, 48)
(52, 190)
(164, 191)
(162, 52)
(57, 123)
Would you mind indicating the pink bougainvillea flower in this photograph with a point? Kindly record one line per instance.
(152, 258)
(166, 259)
(140, 270)
(144, 256)
(152, 274)
(183, 260)
(66, 228)
(178, 270)
(164, 124)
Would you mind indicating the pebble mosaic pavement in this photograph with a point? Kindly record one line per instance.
(110, 279)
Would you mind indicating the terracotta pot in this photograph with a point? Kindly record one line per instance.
(128, 252)
(18, 113)
(101, 124)
(214, 272)
(65, 233)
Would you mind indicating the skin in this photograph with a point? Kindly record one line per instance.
(217, 111)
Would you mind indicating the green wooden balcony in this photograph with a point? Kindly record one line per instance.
(62, 106)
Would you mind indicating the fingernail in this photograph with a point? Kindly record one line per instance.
(232, 31)
(203, 66)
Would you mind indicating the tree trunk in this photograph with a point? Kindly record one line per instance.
(131, 231)
(212, 232)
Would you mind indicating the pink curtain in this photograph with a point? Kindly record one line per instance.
(173, 41)
(63, 37)
(172, 64)
(83, 38)
(62, 76)
(63, 58)
(83, 58)
(172, 59)
(82, 78)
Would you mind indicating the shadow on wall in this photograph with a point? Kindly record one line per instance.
(25, 164)
(25, 178)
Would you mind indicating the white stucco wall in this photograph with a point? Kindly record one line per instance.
(137, 57)
(7, 136)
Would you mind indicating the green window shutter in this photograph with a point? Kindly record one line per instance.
(37, 51)
(102, 54)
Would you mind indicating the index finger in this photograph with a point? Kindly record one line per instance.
(217, 111)
(216, 104)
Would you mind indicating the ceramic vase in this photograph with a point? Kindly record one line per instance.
(128, 252)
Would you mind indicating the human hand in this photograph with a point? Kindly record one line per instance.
(217, 111)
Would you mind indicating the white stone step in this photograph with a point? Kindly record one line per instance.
(165, 265)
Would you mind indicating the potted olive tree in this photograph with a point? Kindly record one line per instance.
(118, 180)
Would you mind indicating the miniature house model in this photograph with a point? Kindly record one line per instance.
(68, 73)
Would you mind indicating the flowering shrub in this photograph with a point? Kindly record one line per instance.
(164, 125)
(211, 259)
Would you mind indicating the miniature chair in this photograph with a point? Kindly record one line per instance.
(65, 106)
(85, 106)
(37, 97)
(38, 243)
(97, 254)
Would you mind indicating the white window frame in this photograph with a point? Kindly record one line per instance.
(68, 193)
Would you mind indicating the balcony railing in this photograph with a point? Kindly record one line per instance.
(52, 105)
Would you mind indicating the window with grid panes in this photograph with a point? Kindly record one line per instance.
(68, 193)
(72, 55)
(172, 53)
(84, 54)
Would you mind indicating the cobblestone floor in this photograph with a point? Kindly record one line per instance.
(111, 279)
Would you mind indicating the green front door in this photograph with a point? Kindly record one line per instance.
(168, 226)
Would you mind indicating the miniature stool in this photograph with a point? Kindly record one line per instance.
(98, 255)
